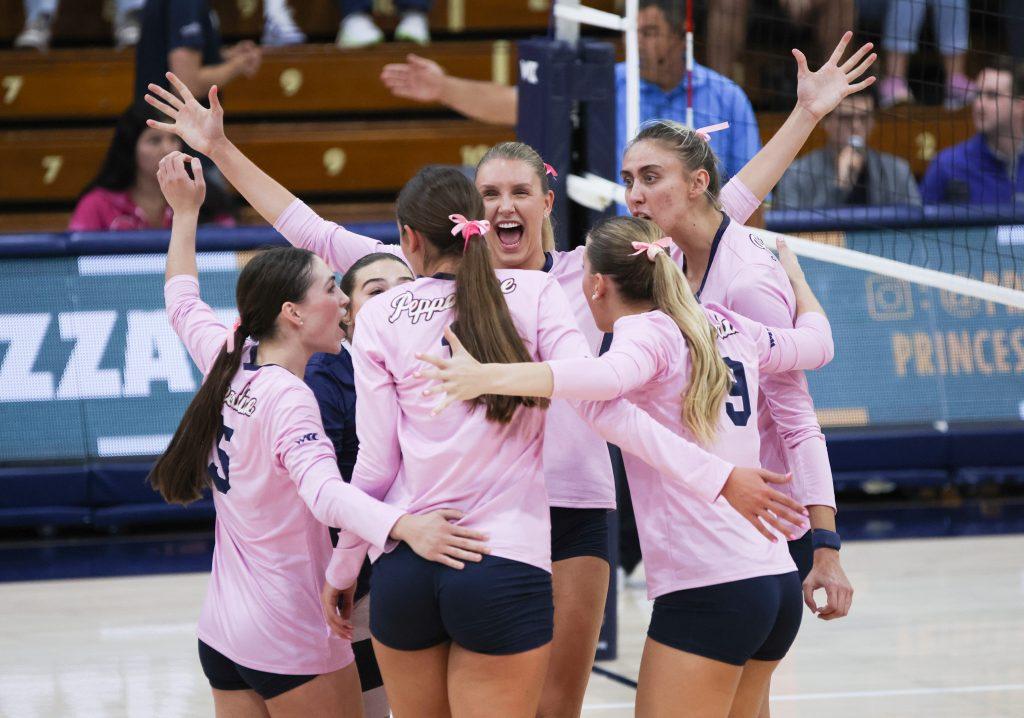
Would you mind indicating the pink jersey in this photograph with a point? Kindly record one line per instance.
(686, 542)
(491, 472)
(578, 472)
(277, 484)
(744, 276)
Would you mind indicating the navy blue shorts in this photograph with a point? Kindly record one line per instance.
(497, 606)
(802, 551)
(732, 622)
(578, 532)
(226, 675)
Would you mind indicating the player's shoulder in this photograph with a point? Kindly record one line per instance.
(748, 246)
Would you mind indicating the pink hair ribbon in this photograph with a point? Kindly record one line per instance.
(468, 227)
(652, 248)
(229, 343)
(549, 170)
(705, 132)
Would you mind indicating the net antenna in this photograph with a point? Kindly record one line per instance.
(590, 190)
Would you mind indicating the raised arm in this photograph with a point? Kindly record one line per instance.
(191, 318)
(424, 80)
(818, 93)
(203, 130)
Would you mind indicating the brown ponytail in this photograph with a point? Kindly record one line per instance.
(483, 322)
(271, 278)
(661, 282)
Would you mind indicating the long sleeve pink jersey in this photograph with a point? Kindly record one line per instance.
(491, 472)
(276, 484)
(746, 277)
(686, 542)
(577, 470)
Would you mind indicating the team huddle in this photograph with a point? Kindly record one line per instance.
(447, 409)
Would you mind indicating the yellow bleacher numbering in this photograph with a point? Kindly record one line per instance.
(456, 15)
(472, 154)
(290, 81)
(51, 168)
(501, 57)
(334, 161)
(12, 85)
(925, 144)
(247, 8)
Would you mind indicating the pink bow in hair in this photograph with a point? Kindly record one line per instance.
(652, 248)
(468, 227)
(705, 132)
(550, 171)
(229, 342)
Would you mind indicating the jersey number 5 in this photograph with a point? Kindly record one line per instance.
(222, 484)
(740, 414)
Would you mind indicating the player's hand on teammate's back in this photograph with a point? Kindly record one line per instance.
(789, 261)
(418, 79)
(748, 491)
(184, 194)
(821, 91)
(434, 537)
(197, 126)
(337, 607)
(459, 378)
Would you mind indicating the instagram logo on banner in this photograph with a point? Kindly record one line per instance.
(889, 300)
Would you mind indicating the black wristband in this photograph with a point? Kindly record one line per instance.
(823, 538)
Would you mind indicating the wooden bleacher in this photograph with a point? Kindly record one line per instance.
(97, 83)
(81, 22)
(323, 158)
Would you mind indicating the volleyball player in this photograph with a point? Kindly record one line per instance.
(477, 639)
(253, 434)
(671, 176)
(514, 183)
(331, 378)
(727, 601)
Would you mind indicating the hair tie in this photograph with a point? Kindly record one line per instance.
(652, 248)
(550, 171)
(229, 340)
(469, 228)
(705, 132)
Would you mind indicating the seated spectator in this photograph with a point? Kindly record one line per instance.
(182, 36)
(662, 89)
(989, 167)
(125, 195)
(846, 172)
(903, 26)
(39, 16)
(358, 29)
(727, 27)
(279, 26)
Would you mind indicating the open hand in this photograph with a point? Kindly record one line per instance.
(418, 79)
(183, 193)
(821, 92)
(434, 537)
(459, 378)
(197, 126)
(749, 492)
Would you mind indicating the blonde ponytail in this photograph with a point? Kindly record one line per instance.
(611, 253)
(709, 376)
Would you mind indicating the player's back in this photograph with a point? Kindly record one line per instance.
(492, 472)
(686, 541)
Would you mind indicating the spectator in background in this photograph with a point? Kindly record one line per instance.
(358, 29)
(846, 172)
(727, 27)
(989, 167)
(182, 36)
(903, 23)
(279, 26)
(662, 89)
(125, 194)
(39, 16)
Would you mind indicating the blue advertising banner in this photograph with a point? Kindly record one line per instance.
(89, 366)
